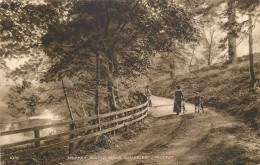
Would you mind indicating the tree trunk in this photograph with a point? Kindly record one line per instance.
(171, 70)
(109, 54)
(251, 57)
(72, 125)
(67, 100)
(193, 50)
(209, 55)
(110, 88)
(97, 84)
(173, 73)
(210, 47)
(232, 53)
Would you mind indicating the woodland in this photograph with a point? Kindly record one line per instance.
(87, 57)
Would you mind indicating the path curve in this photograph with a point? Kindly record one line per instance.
(192, 138)
(164, 106)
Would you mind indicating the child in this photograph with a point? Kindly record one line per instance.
(198, 102)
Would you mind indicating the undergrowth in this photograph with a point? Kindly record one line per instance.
(225, 87)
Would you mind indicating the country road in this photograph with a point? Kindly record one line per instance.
(164, 106)
(208, 138)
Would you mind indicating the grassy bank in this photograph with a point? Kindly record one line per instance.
(225, 87)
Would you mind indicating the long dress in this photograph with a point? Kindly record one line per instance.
(177, 101)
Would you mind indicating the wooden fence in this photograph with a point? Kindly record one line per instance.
(90, 127)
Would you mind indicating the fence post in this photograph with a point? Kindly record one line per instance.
(94, 121)
(115, 124)
(112, 125)
(37, 143)
(71, 145)
(98, 122)
(142, 114)
(134, 112)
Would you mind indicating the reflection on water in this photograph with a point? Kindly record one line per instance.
(27, 135)
(45, 118)
(46, 114)
(14, 138)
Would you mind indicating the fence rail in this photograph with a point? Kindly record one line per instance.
(92, 126)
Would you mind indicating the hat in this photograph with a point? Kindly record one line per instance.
(178, 87)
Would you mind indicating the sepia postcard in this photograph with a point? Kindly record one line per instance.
(129, 82)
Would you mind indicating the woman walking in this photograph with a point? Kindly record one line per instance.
(177, 100)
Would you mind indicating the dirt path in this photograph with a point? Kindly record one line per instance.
(209, 138)
(164, 106)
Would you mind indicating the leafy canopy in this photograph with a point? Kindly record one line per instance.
(123, 33)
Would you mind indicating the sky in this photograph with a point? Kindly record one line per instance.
(256, 36)
(242, 48)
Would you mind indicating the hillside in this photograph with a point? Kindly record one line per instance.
(225, 87)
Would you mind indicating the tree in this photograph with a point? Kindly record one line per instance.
(21, 23)
(232, 31)
(248, 7)
(231, 26)
(119, 36)
(211, 48)
(22, 100)
(193, 47)
(206, 14)
(234, 28)
(28, 98)
(251, 57)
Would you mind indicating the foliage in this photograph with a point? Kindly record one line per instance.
(124, 34)
(248, 5)
(210, 46)
(113, 38)
(31, 98)
(74, 34)
(21, 26)
(21, 99)
(222, 86)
